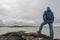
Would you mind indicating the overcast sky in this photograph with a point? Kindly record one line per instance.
(28, 11)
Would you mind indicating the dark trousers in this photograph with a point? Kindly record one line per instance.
(50, 23)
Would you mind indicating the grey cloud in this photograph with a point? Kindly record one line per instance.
(28, 9)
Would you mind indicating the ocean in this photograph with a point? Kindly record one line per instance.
(45, 30)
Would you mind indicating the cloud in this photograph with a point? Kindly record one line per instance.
(28, 10)
(11, 22)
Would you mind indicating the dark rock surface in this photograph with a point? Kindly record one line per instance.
(22, 35)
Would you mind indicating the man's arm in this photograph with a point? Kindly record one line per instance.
(44, 16)
(53, 15)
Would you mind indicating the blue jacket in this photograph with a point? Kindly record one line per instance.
(48, 15)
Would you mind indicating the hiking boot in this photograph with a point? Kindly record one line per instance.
(38, 32)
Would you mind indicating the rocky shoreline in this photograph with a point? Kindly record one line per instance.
(22, 35)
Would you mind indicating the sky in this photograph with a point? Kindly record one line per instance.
(27, 12)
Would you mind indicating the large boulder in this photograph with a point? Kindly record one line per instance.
(22, 35)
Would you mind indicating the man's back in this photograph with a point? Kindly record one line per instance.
(48, 15)
(48, 19)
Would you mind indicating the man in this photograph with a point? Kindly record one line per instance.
(48, 18)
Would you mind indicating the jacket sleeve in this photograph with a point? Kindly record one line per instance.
(53, 15)
(44, 16)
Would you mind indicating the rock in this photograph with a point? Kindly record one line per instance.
(22, 35)
(56, 39)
